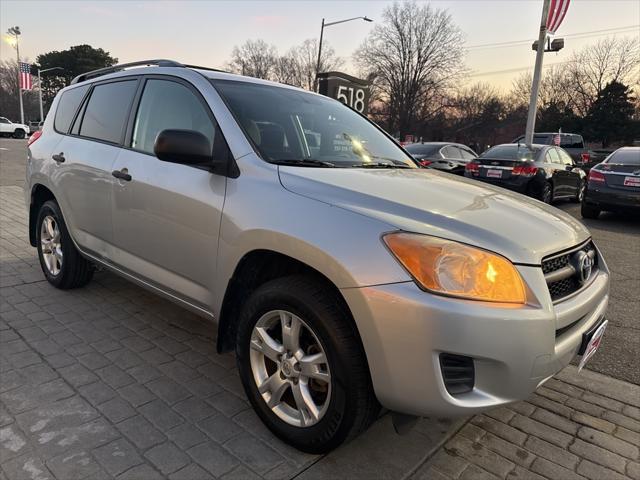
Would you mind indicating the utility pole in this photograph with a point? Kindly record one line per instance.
(40, 87)
(15, 31)
(366, 19)
(537, 73)
(315, 83)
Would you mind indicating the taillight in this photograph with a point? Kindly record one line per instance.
(36, 135)
(596, 176)
(585, 157)
(425, 163)
(524, 170)
(472, 167)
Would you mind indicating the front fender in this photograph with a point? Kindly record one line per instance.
(344, 246)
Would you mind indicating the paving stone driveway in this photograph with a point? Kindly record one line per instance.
(111, 381)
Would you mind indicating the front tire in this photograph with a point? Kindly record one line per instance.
(580, 193)
(19, 133)
(302, 365)
(61, 263)
(589, 211)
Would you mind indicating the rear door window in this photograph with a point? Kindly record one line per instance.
(67, 107)
(107, 110)
(451, 152)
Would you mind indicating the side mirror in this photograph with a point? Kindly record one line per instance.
(569, 167)
(183, 146)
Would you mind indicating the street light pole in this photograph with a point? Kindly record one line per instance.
(40, 87)
(15, 31)
(366, 19)
(537, 73)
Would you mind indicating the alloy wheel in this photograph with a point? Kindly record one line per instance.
(51, 245)
(290, 368)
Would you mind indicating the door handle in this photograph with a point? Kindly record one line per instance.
(58, 157)
(122, 174)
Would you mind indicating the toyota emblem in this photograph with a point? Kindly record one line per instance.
(585, 265)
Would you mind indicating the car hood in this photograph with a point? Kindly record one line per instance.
(429, 202)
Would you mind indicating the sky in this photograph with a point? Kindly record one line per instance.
(204, 32)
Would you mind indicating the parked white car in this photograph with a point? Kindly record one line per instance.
(10, 129)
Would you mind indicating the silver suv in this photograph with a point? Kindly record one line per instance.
(344, 277)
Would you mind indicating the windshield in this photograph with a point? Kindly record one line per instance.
(298, 128)
(422, 148)
(511, 152)
(625, 157)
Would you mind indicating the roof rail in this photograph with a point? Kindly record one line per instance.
(117, 68)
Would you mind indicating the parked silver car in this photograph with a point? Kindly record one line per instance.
(344, 276)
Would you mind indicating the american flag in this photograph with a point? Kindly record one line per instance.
(557, 11)
(25, 76)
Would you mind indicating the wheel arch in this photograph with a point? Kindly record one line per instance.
(253, 270)
(39, 195)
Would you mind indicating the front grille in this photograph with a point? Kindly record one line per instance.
(562, 271)
(458, 373)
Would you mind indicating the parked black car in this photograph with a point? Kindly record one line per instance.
(544, 172)
(573, 144)
(614, 184)
(449, 157)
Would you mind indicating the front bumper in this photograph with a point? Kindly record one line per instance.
(515, 348)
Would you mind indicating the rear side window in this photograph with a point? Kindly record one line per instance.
(107, 111)
(466, 154)
(67, 106)
(571, 141)
(168, 105)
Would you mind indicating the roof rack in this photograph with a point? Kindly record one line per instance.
(117, 68)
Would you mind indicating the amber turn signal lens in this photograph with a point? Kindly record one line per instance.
(455, 269)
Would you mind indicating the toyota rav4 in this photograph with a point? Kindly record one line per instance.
(344, 277)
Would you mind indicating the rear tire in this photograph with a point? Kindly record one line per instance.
(61, 263)
(348, 406)
(589, 211)
(546, 193)
(19, 133)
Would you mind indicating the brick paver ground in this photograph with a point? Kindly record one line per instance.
(577, 426)
(111, 381)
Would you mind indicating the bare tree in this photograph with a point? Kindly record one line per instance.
(556, 88)
(254, 58)
(415, 53)
(306, 56)
(9, 102)
(591, 69)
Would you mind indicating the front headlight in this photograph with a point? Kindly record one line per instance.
(452, 268)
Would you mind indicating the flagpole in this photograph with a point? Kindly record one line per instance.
(40, 95)
(537, 74)
(19, 89)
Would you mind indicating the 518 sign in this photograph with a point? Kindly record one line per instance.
(346, 95)
(349, 90)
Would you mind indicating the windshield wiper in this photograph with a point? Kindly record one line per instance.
(379, 165)
(304, 162)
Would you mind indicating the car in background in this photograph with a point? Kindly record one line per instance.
(614, 184)
(448, 157)
(34, 126)
(572, 143)
(545, 172)
(10, 129)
